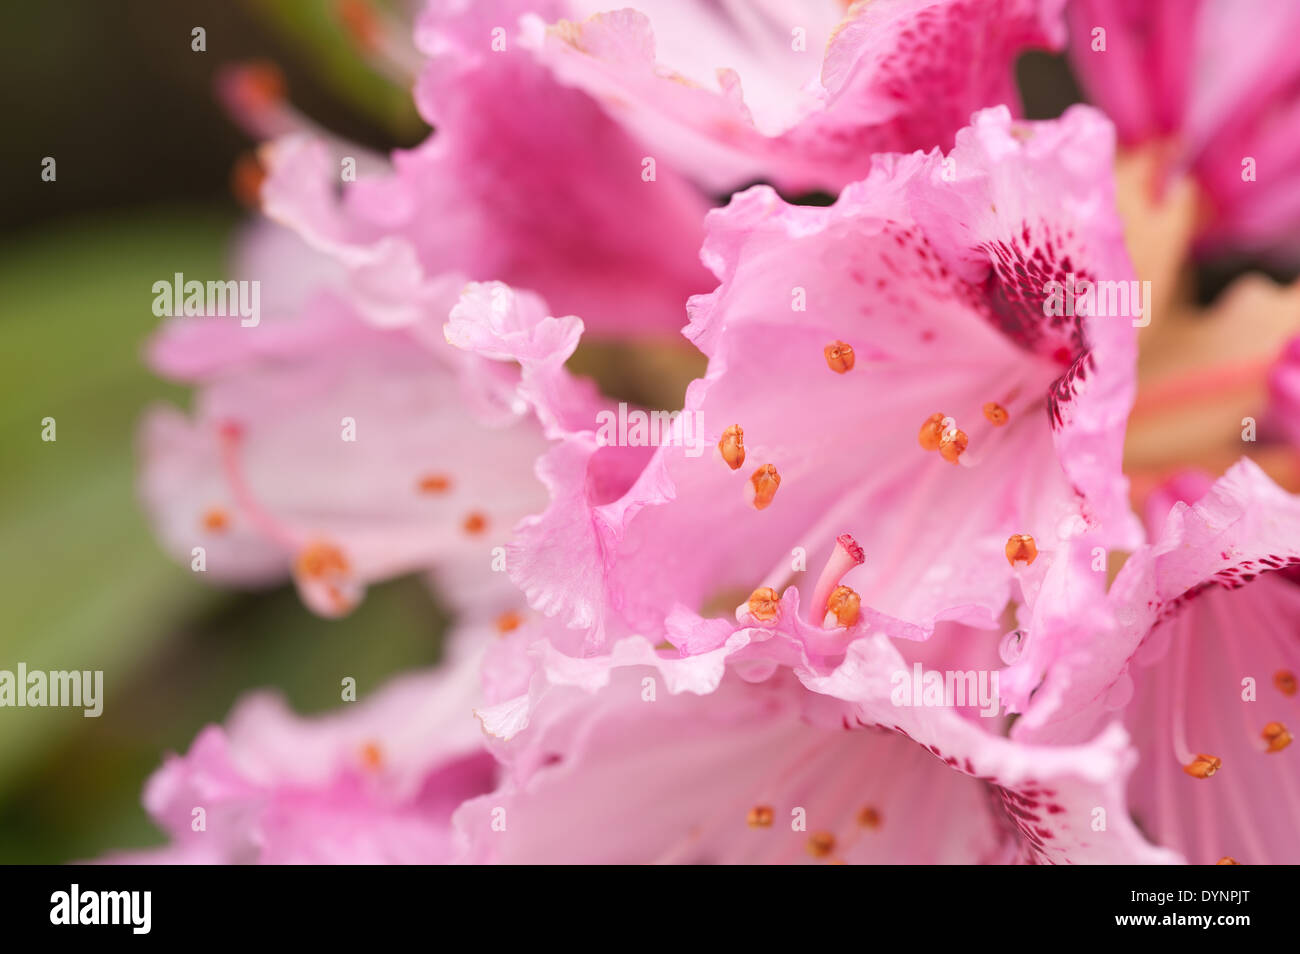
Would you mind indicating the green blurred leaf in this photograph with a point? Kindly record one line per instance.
(84, 585)
(315, 29)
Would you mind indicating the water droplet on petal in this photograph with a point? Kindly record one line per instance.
(1012, 646)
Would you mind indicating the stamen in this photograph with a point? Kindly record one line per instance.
(839, 357)
(996, 414)
(325, 580)
(1227, 860)
(216, 520)
(230, 436)
(821, 844)
(258, 85)
(434, 484)
(320, 569)
(1284, 679)
(846, 555)
(954, 441)
(807, 761)
(475, 523)
(732, 446)
(380, 39)
(932, 432)
(1021, 549)
(320, 559)
(868, 817)
(359, 20)
(508, 622)
(762, 487)
(246, 178)
(760, 816)
(255, 95)
(1276, 736)
(1203, 766)
(764, 604)
(372, 756)
(842, 608)
(1234, 786)
(1178, 711)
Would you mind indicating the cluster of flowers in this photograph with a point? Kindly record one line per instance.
(667, 656)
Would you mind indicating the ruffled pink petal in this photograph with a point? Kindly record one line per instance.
(916, 273)
(637, 757)
(1066, 804)
(1243, 527)
(386, 279)
(497, 323)
(1186, 486)
(797, 94)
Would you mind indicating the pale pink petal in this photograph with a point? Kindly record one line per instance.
(362, 443)
(637, 757)
(610, 778)
(1228, 674)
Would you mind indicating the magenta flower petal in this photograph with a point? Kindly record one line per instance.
(794, 93)
(1218, 89)
(524, 181)
(1284, 394)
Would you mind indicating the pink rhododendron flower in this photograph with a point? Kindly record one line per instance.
(376, 783)
(342, 453)
(772, 625)
(797, 93)
(1192, 646)
(915, 303)
(1219, 88)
